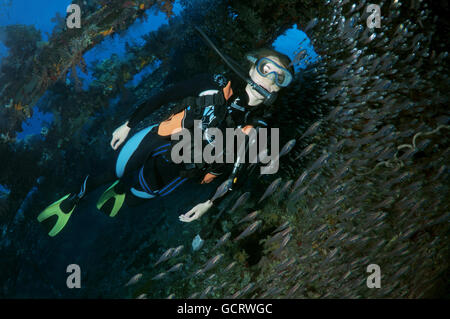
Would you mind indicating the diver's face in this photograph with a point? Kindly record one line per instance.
(266, 82)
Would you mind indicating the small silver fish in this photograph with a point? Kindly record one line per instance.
(311, 24)
(167, 254)
(384, 130)
(249, 217)
(134, 280)
(296, 195)
(404, 176)
(339, 200)
(222, 285)
(231, 265)
(222, 240)
(286, 186)
(283, 245)
(293, 289)
(321, 228)
(159, 276)
(299, 56)
(213, 262)
(408, 233)
(286, 231)
(312, 129)
(206, 292)
(338, 189)
(287, 147)
(334, 236)
(442, 170)
(354, 239)
(341, 72)
(274, 291)
(177, 251)
(386, 203)
(401, 272)
(211, 277)
(346, 275)
(350, 213)
(240, 201)
(306, 150)
(274, 238)
(332, 254)
(247, 289)
(271, 189)
(338, 146)
(286, 263)
(386, 154)
(222, 189)
(196, 273)
(281, 227)
(171, 296)
(193, 296)
(320, 161)
(315, 177)
(237, 294)
(299, 181)
(331, 94)
(249, 230)
(176, 267)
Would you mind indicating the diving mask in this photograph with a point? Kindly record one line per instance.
(269, 68)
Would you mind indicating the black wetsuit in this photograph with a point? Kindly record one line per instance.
(143, 163)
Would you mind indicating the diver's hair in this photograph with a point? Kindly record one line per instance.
(265, 52)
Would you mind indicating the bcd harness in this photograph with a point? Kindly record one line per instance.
(191, 108)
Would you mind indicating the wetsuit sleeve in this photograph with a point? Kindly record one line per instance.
(217, 169)
(190, 87)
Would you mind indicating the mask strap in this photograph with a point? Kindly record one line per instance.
(252, 59)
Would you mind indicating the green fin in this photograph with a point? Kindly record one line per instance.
(55, 210)
(107, 195)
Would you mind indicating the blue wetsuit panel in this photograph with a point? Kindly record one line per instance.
(129, 148)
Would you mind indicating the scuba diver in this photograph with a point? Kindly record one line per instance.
(144, 169)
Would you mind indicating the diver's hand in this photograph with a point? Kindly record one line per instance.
(119, 135)
(196, 212)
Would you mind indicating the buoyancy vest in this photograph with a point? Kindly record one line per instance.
(213, 109)
(191, 108)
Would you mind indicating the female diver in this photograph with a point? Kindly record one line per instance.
(143, 167)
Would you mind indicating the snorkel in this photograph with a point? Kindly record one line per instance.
(269, 98)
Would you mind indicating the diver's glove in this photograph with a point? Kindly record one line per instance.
(120, 135)
(196, 212)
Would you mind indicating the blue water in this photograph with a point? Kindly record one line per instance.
(34, 125)
(291, 42)
(4, 191)
(37, 13)
(40, 13)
